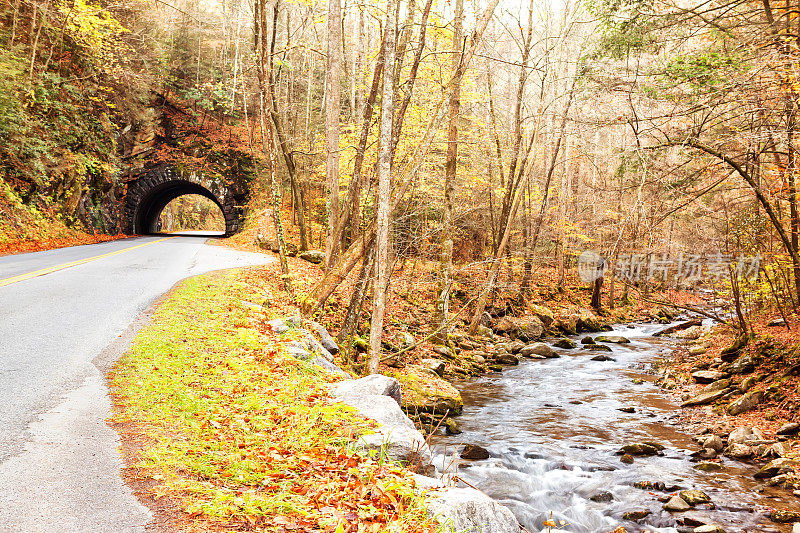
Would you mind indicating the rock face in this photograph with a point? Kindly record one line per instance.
(313, 256)
(745, 403)
(395, 434)
(470, 511)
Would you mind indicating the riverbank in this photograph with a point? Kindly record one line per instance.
(741, 401)
(223, 430)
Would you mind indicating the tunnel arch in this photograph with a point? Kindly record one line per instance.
(149, 194)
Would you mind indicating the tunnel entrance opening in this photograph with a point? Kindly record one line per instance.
(148, 196)
(191, 212)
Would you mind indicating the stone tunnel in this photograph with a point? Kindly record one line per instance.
(148, 194)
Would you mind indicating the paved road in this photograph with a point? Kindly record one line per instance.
(65, 315)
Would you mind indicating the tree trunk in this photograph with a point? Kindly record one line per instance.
(332, 108)
(450, 168)
(384, 183)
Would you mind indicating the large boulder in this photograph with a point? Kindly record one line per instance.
(424, 392)
(467, 510)
(527, 328)
(394, 435)
(708, 376)
(587, 321)
(742, 435)
(743, 364)
(567, 323)
(373, 385)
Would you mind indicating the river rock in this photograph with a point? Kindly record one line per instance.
(738, 451)
(602, 497)
(506, 358)
(708, 466)
(708, 528)
(713, 441)
(742, 435)
(704, 453)
(627, 459)
(708, 394)
(538, 348)
(468, 510)
(708, 376)
(543, 313)
(526, 328)
(324, 337)
(451, 426)
(676, 505)
(424, 392)
(634, 516)
(565, 343)
(436, 366)
(588, 340)
(444, 351)
(515, 347)
(780, 449)
(697, 350)
(602, 357)
(784, 516)
(598, 348)
(395, 436)
(694, 497)
(587, 321)
(566, 324)
(775, 467)
(790, 428)
(313, 256)
(640, 448)
(747, 402)
(730, 352)
(743, 364)
(473, 452)
(614, 339)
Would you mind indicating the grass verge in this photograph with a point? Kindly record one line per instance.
(240, 436)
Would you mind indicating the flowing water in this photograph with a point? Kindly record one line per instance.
(553, 427)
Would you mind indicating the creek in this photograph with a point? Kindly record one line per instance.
(553, 428)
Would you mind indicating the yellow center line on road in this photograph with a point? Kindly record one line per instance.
(49, 270)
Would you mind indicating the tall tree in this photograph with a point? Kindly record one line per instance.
(384, 184)
(333, 103)
(450, 169)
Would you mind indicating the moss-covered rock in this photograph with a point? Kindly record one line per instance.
(427, 393)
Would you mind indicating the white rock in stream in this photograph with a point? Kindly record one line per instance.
(470, 511)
